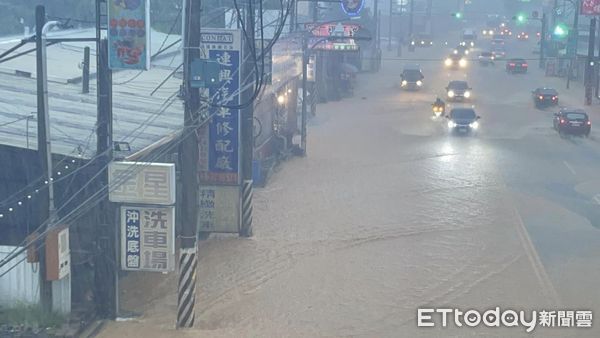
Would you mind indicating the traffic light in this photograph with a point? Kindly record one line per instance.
(521, 18)
(457, 15)
(561, 30)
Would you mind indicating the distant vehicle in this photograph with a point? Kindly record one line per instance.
(499, 52)
(545, 97)
(468, 38)
(458, 90)
(488, 32)
(514, 66)
(522, 36)
(499, 37)
(572, 121)
(486, 58)
(412, 77)
(455, 61)
(463, 120)
(505, 31)
(498, 42)
(461, 50)
(422, 40)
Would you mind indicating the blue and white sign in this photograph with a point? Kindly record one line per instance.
(148, 238)
(352, 7)
(219, 162)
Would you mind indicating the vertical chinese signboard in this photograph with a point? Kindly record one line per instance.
(219, 141)
(148, 238)
(148, 229)
(590, 7)
(129, 34)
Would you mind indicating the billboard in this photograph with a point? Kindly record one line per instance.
(148, 238)
(142, 182)
(129, 34)
(219, 143)
(352, 7)
(590, 7)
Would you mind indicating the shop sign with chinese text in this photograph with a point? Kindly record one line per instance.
(148, 238)
(590, 7)
(129, 34)
(142, 182)
(219, 142)
(219, 209)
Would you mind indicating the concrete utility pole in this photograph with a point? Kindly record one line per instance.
(85, 85)
(188, 157)
(390, 26)
(590, 64)
(46, 200)
(304, 83)
(247, 119)
(543, 40)
(410, 25)
(574, 41)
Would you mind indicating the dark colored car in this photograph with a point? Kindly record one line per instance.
(572, 121)
(462, 120)
(458, 90)
(543, 97)
(514, 66)
(499, 52)
(412, 77)
(455, 61)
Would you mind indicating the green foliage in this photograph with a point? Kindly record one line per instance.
(30, 316)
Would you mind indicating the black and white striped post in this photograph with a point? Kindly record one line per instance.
(186, 295)
(246, 229)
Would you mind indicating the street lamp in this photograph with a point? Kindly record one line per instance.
(44, 75)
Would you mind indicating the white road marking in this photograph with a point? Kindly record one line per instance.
(538, 268)
(570, 168)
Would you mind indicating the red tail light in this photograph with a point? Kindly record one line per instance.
(562, 121)
(589, 123)
(511, 64)
(553, 97)
(524, 65)
(541, 97)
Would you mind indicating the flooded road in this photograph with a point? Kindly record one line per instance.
(389, 212)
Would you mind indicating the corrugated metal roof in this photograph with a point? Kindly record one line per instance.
(72, 114)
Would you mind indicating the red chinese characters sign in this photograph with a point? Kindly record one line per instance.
(590, 7)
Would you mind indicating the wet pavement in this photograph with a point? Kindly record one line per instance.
(389, 213)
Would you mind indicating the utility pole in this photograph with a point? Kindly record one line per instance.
(554, 8)
(188, 157)
(304, 83)
(247, 119)
(390, 26)
(543, 41)
(86, 71)
(590, 64)
(46, 199)
(105, 270)
(410, 24)
(574, 41)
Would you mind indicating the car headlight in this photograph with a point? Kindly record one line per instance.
(474, 125)
(450, 93)
(466, 52)
(451, 124)
(419, 83)
(484, 32)
(412, 43)
(404, 82)
(472, 44)
(448, 62)
(462, 63)
(467, 94)
(492, 57)
(422, 42)
(455, 51)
